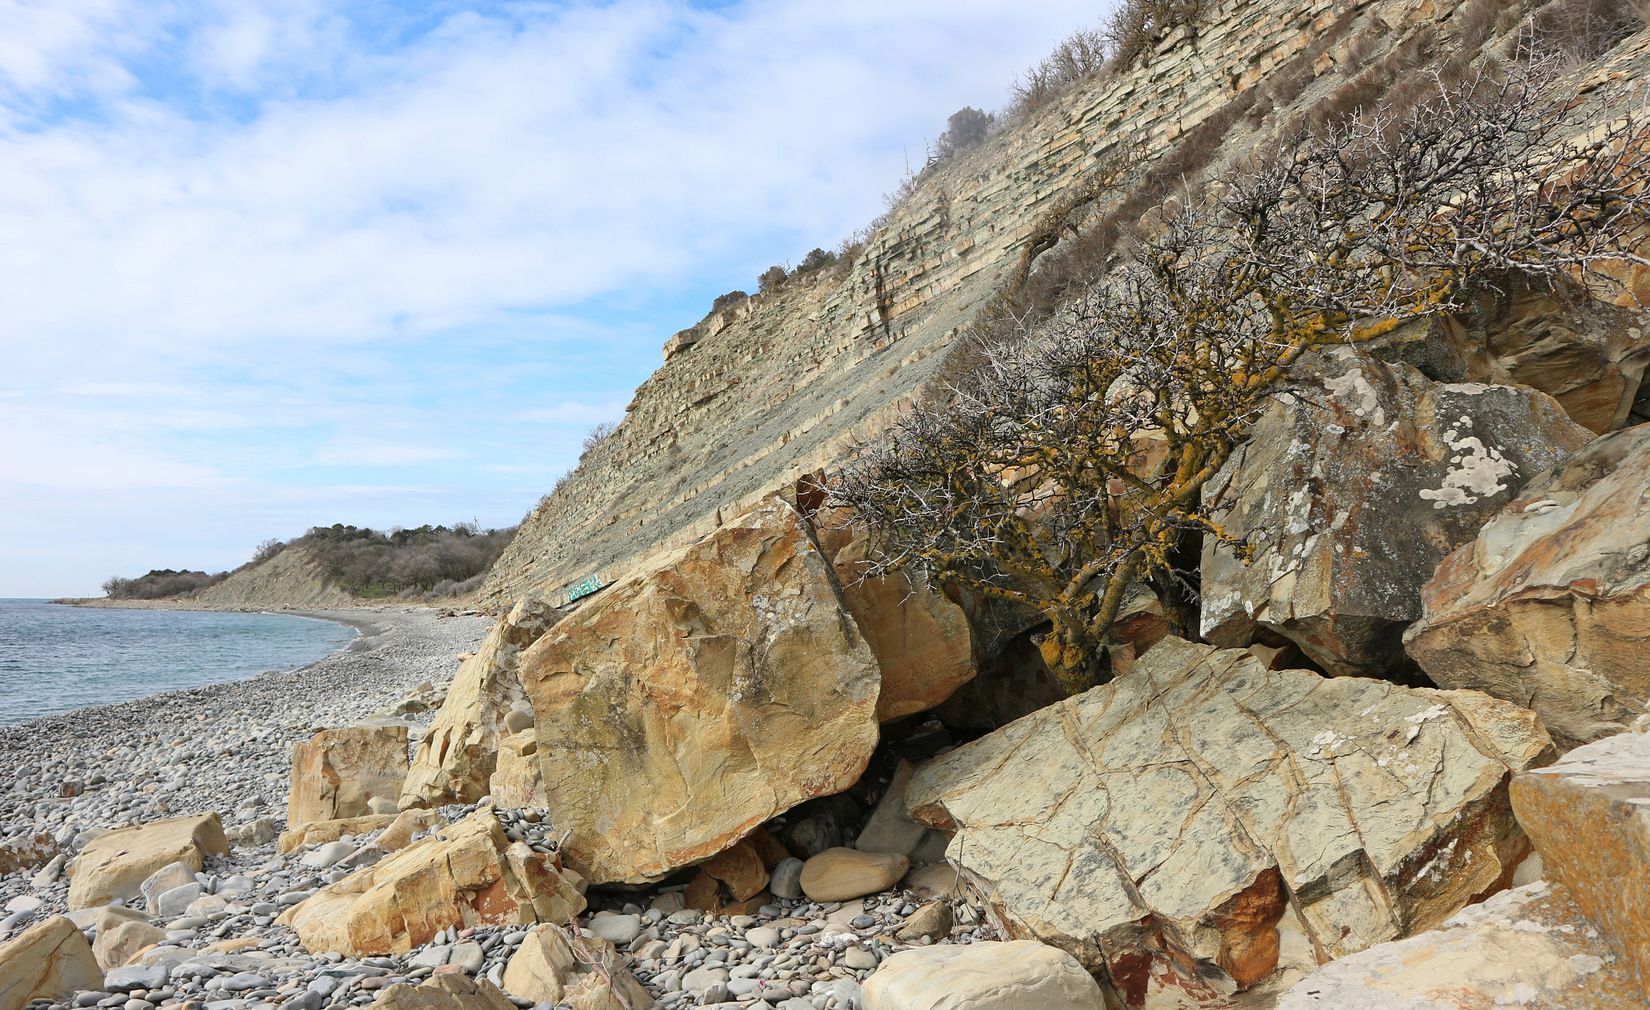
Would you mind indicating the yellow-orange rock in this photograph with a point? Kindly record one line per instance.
(1589, 817)
(469, 874)
(321, 832)
(693, 701)
(48, 961)
(921, 639)
(515, 781)
(336, 772)
(115, 865)
(460, 752)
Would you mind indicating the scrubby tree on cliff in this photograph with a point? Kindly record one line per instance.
(1070, 465)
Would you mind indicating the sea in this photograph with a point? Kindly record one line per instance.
(56, 658)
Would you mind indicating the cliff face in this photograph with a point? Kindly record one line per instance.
(291, 580)
(761, 393)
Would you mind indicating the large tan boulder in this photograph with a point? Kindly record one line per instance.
(447, 991)
(1550, 605)
(119, 938)
(1525, 949)
(843, 874)
(48, 961)
(1589, 817)
(548, 968)
(1352, 491)
(693, 701)
(338, 772)
(114, 865)
(468, 874)
(1157, 827)
(1017, 975)
(921, 639)
(459, 753)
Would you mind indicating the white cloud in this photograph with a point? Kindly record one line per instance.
(241, 232)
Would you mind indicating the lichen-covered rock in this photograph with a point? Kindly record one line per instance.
(921, 640)
(116, 864)
(49, 961)
(1019, 975)
(1157, 826)
(1524, 949)
(1589, 817)
(468, 874)
(25, 852)
(1353, 490)
(459, 754)
(337, 772)
(1550, 605)
(688, 704)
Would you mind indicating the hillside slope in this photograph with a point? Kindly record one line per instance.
(761, 393)
(292, 579)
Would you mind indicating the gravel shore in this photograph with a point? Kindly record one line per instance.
(227, 749)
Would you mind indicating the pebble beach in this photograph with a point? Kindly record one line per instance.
(226, 749)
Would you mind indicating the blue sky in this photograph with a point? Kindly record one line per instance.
(268, 265)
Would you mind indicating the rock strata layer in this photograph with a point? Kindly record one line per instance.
(1157, 827)
(1550, 605)
(728, 679)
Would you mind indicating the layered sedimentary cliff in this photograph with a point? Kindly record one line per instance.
(760, 393)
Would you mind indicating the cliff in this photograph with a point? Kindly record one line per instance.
(761, 393)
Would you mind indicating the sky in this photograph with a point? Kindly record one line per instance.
(271, 265)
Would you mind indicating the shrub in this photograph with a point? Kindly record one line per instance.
(1068, 467)
(733, 297)
(771, 279)
(817, 259)
(369, 563)
(159, 583)
(1078, 57)
(966, 128)
(599, 434)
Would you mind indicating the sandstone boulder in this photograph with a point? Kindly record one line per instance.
(547, 968)
(468, 874)
(1017, 975)
(447, 991)
(515, 781)
(844, 874)
(115, 864)
(891, 828)
(119, 939)
(695, 700)
(337, 772)
(460, 752)
(1550, 605)
(1353, 490)
(25, 852)
(1524, 949)
(1589, 817)
(48, 961)
(1157, 826)
(921, 639)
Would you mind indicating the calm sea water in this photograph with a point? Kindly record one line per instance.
(57, 658)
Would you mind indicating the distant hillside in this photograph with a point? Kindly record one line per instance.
(331, 566)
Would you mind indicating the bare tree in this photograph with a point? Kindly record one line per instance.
(1070, 466)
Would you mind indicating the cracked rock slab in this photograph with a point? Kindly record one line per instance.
(1525, 949)
(1352, 489)
(1160, 827)
(1549, 606)
(684, 706)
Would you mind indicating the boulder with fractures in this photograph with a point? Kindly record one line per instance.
(115, 864)
(468, 874)
(321, 832)
(338, 772)
(1157, 826)
(1351, 490)
(1550, 605)
(549, 968)
(460, 752)
(695, 700)
(1525, 949)
(1589, 817)
(921, 639)
(50, 961)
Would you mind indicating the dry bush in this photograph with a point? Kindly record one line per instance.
(1078, 57)
(598, 434)
(1069, 466)
(1581, 30)
(1139, 25)
(160, 583)
(369, 563)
